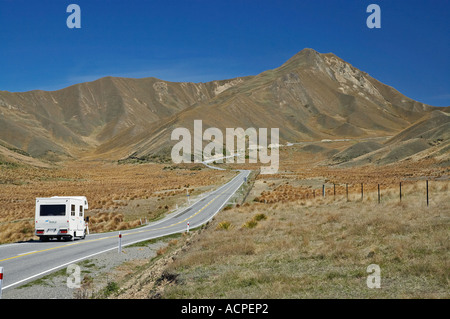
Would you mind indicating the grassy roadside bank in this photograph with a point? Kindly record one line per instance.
(317, 248)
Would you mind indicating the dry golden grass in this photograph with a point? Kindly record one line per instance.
(283, 191)
(119, 196)
(295, 164)
(321, 248)
(295, 246)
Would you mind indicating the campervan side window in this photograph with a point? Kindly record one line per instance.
(52, 210)
(81, 211)
(72, 210)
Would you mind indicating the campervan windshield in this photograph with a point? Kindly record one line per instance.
(52, 210)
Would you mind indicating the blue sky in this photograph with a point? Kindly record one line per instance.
(204, 40)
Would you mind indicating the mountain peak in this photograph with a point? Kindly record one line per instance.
(307, 52)
(305, 56)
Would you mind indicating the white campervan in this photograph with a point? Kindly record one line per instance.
(61, 217)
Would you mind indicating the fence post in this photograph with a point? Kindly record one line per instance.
(323, 190)
(362, 191)
(334, 190)
(400, 191)
(378, 193)
(427, 193)
(346, 190)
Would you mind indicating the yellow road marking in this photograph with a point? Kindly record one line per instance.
(47, 249)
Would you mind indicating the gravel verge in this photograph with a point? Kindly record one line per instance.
(96, 274)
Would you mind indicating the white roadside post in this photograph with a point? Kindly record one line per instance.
(187, 227)
(1, 281)
(120, 242)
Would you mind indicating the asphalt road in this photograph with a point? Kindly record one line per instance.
(26, 261)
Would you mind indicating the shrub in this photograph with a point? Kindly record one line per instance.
(250, 224)
(111, 288)
(225, 225)
(259, 217)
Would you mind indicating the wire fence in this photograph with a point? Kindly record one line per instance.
(418, 190)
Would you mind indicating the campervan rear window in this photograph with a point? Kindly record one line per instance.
(53, 210)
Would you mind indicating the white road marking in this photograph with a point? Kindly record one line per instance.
(28, 252)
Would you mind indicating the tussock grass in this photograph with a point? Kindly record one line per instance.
(254, 221)
(119, 196)
(321, 249)
(225, 225)
(259, 217)
(250, 223)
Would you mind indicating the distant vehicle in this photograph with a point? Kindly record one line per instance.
(61, 217)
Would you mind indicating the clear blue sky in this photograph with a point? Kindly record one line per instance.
(204, 40)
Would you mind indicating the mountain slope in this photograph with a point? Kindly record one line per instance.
(86, 115)
(427, 138)
(311, 96)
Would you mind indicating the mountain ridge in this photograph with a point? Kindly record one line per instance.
(310, 96)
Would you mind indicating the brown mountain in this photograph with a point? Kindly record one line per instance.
(83, 116)
(427, 138)
(312, 96)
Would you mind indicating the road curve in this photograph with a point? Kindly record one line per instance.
(26, 261)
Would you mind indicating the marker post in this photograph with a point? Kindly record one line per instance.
(120, 242)
(1, 281)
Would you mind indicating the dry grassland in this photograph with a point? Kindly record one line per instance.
(320, 248)
(120, 196)
(281, 243)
